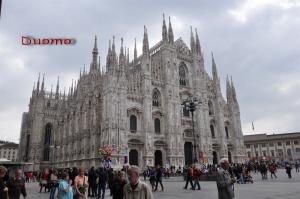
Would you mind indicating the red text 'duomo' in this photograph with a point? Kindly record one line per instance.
(47, 41)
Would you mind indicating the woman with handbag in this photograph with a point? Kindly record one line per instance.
(81, 185)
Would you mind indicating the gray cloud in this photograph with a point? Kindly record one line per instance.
(257, 42)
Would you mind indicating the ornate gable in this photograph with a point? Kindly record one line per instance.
(182, 48)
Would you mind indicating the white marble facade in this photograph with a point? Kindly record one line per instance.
(135, 107)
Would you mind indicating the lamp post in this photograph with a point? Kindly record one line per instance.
(190, 104)
(53, 147)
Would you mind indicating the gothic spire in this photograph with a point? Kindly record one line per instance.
(43, 84)
(193, 44)
(83, 69)
(170, 33)
(233, 90)
(228, 89)
(72, 88)
(121, 57)
(64, 93)
(80, 74)
(145, 43)
(114, 54)
(127, 55)
(94, 63)
(164, 30)
(198, 46)
(214, 67)
(108, 57)
(135, 52)
(113, 45)
(51, 91)
(57, 89)
(38, 84)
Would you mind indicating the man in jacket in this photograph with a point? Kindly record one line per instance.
(16, 186)
(189, 178)
(136, 188)
(225, 181)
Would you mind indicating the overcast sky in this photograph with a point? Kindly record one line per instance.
(255, 41)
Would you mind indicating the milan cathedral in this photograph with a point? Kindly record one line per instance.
(135, 107)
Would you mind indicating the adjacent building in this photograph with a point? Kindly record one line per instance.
(135, 106)
(9, 151)
(277, 147)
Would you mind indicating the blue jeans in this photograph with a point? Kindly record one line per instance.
(52, 192)
(101, 188)
(196, 182)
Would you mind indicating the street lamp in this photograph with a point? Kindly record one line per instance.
(190, 104)
(53, 147)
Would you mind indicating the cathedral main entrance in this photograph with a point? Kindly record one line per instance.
(158, 158)
(133, 157)
(229, 157)
(215, 158)
(188, 153)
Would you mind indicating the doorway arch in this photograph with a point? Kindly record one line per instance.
(188, 153)
(229, 157)
(215, 157)
(158, 158)
(133, 157)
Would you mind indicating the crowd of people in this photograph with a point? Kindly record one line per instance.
(80, 183)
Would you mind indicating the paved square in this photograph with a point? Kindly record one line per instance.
(279, 188)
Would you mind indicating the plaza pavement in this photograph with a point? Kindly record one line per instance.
(280, 188)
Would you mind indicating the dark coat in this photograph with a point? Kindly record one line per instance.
(117, 189)
(16, 187)
(3, 194)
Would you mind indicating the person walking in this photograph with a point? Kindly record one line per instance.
(102, 181)
(196, 177)
(272, 169)
(288, 170)
(81, 184)
(53, 184)
(136, 189)
(65, 190)
(118, 186)
(152, 178)
(224, 181)
(3, 188)
(16, 186)
(189, 178)
(158, 178)
(92, 183)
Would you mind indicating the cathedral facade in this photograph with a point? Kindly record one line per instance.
(135, 107)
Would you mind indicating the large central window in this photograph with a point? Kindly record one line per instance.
(157, 125)
(133, 123)
(183, 80)
(156, 98)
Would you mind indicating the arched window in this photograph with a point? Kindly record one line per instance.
(48, 104)
(212, 131)
(186, 113)
(133, 123)
(157, 125)
(156, 98)
(210, 108)
(226, 131)
(183, 81)
(47, 141)
(48, 131)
